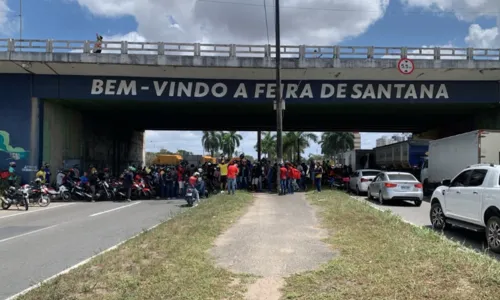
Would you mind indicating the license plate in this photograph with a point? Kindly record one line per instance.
(405, 187)
(189, 195)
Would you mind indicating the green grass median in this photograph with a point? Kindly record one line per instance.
(383, 258)
(168, 262)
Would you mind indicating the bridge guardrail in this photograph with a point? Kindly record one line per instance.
(235, 50)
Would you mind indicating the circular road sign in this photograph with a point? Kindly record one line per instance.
(406, 66)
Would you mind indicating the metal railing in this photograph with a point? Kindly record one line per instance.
(234, 50)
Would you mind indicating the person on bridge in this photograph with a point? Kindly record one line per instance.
(98, 43)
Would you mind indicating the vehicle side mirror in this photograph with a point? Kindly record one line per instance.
(446, 182)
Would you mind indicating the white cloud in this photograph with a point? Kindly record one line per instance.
(303, 22)
(8, 23)
(469, 10)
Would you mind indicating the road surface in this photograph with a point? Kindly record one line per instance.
(420, 216)
(42, 242)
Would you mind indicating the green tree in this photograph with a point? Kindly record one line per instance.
(333, 143)
(150, 157)
(268, 144)
(294, 143)
(165, 151)
(211, 141)
(230, 141)
(184, 152)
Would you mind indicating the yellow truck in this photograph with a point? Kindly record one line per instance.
(168, 159)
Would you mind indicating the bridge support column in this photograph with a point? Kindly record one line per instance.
(259, 145)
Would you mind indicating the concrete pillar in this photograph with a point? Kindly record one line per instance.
(259, 145)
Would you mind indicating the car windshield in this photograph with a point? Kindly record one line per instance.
(401, 177)
(370, 173)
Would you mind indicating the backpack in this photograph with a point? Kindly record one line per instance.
(4, 174)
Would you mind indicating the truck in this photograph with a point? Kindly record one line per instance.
(167, 159)
(448, 156)
(470, 199)
(358, 159)
(405, 156)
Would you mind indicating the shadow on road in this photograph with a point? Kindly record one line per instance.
(470, 239)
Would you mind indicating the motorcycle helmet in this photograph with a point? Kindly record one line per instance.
(38, 180)
(196, 174)
(12, 164)
(209, 163)
(200, 170)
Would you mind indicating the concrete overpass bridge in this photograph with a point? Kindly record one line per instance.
(63, 103)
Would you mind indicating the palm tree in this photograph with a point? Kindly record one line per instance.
(211, 141)
(333, 143)
(268, 144)
(295, 142)
(230, 141)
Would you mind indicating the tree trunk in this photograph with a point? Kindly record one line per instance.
(298, 151)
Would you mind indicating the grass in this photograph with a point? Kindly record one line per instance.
(168, 262)
(382, 257)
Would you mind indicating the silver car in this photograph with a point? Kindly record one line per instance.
(387, 186)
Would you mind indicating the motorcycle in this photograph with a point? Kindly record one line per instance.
(190, 197)
(61, 193)
(78, 191)
(104, 191)
(15, 196)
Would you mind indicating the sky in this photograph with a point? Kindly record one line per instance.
(412, 23)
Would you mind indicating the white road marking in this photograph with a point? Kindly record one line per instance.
(79, 264)
(38, 210)
(117, 208)
(27, 233)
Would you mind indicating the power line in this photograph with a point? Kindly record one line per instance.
(267, 25)
(455, 10)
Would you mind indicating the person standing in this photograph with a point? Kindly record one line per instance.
(318, 173)
(232, 172)
(283, 173)
(128, 180)
(223, 174)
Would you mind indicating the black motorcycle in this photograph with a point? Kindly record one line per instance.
(16, 196)
(104, 191)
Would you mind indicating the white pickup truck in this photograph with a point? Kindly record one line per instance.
(470, 200)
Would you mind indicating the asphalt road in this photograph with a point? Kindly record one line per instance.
(420, 216)
(42, 242)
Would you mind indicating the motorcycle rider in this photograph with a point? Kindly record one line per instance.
(12, 174)
(193, 181)
(60, 178)
(48, 174)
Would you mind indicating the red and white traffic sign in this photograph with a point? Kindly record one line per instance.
(406, 66)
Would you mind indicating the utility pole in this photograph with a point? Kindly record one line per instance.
(20, 25)
(279, 103)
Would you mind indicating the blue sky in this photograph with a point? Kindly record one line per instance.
(349, 22)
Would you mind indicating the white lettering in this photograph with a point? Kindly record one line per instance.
(171, 91)
(306, 92)
(291, 90)
(327, 90)
(369, 92)
(184, 89)
(259, 89)
(442, 92)
(399, 89)
(198, 92)
(160, 89)
(411, 92)
(241, 91)
(426, 91)
(271, 91)
(219, 86)
(357, 92)
(342, 90)
(110, 87)
(125, 88)
(384, 90)
(97, 87)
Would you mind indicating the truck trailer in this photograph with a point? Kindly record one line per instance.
(448, 156)
(406, 156)
(358, 159)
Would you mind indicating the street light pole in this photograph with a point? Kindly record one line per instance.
(279, 103)
(20, 25)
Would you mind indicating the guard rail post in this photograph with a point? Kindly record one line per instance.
(470, 53)
(302, 51)
(267, 50)
(404, 52)
(437, 53)
(11, 45)
(197, 49)
(370, 52)
(49, 46)
(161, 48)
(232, 50)
(86, 47)
(124, 47)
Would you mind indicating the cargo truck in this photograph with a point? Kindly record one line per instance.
(448, 156)
(406, 156)
(358, 159)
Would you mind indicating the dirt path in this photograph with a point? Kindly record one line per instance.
(277, 237)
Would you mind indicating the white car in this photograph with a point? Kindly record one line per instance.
(360, 180)
(471, 200)
(396, 186)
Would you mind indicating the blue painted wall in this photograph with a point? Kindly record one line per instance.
(15, 122)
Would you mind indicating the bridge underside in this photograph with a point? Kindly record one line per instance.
(209, 116)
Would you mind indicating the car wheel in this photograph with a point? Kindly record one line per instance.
(438, 219)
(369, 194)
(381, 198)
(493, 233)
(418, 202)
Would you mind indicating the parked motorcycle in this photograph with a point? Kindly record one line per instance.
(13, 196)
(61, 193)
(77, 191)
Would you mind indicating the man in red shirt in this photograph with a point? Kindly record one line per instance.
(232, 172)
(193, 180)
(283, 176)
